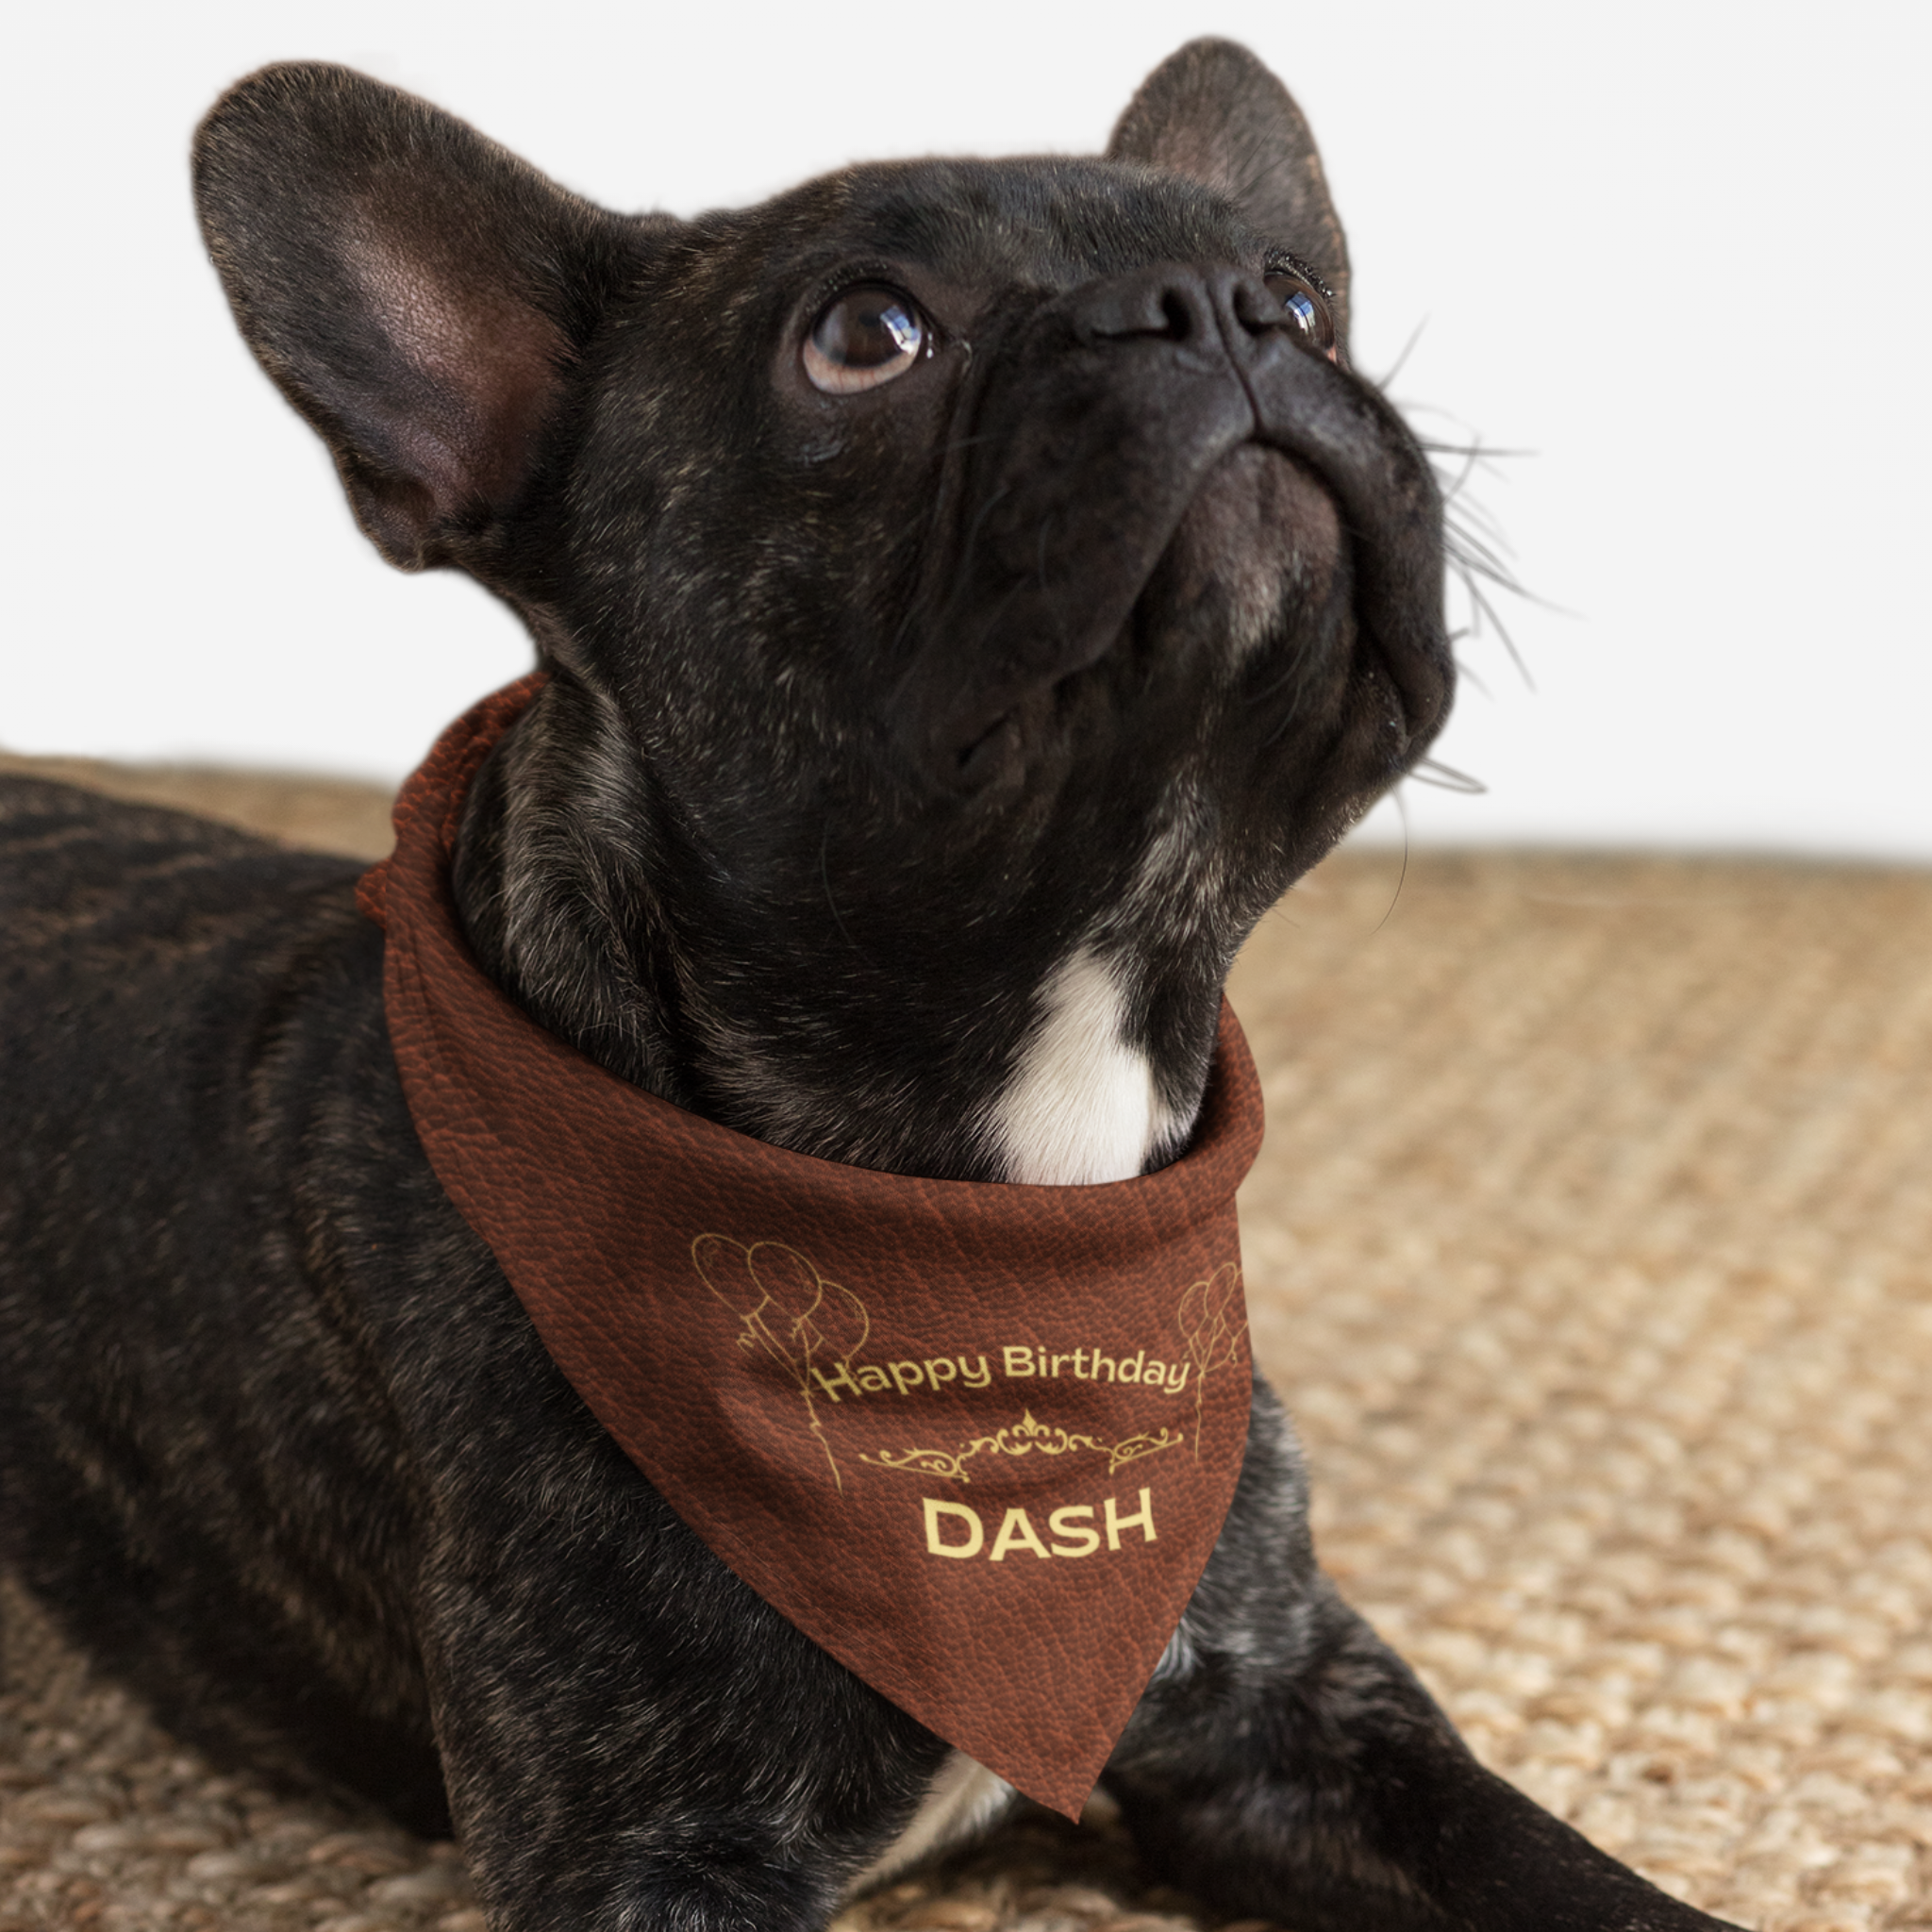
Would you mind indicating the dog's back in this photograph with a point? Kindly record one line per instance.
(150, 960)
(178, 995)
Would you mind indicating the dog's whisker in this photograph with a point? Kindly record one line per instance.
(1432, 772)
(1400, 806)
(1396, 368)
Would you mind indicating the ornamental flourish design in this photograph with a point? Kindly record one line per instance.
(1025, 1437)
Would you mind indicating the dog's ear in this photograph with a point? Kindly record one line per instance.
(1214, 114)
(415, 290)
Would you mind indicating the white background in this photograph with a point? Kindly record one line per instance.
(1677, 251)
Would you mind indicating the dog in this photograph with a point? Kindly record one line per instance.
(969, 595)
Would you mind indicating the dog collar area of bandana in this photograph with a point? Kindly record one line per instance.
(974, 1440)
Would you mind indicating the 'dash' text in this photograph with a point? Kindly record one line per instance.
(956, 1529)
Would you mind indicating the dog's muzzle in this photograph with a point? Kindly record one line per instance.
(1086, 446)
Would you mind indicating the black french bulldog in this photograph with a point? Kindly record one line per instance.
(972, 593)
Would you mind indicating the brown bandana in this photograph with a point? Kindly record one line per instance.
(977, 1441)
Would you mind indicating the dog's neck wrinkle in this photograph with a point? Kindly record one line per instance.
(544, 922)
(554, 888)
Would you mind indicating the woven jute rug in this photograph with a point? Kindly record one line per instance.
(1592, 1246)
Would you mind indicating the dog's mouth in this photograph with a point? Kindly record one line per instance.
(1261, 582)
(1258, 554)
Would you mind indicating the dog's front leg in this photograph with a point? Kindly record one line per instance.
(631, 1737)
(1286, 1763)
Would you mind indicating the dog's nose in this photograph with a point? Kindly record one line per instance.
(1187, 307)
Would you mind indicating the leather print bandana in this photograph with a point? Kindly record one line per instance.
(976, 1441)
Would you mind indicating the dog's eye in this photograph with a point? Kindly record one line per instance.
(1306, 309)
(865, 337)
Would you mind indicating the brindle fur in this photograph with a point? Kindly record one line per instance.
(866, 714)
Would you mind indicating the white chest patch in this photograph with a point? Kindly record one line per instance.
(964, 1800)
(1080, 1107)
